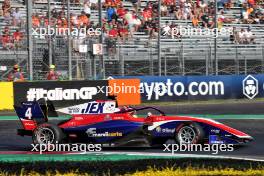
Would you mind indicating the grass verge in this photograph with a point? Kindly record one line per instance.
(195, 172)
(184, 166)
(161, 172)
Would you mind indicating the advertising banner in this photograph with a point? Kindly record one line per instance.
(173, 88)
(61, 93)
(126, 91)
(6, 95)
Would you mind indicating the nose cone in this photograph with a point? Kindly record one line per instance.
(248, 139)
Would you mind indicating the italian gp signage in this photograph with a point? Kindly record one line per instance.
(61, 93)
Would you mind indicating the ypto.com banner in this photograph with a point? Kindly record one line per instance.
(172, 88)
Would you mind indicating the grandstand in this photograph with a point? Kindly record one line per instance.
(185, 55)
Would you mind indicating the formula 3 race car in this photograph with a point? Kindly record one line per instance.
(103, 122)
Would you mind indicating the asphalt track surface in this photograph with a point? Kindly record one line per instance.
(9, 141)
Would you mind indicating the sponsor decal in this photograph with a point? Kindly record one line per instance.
(29, 124)
(250, 87)
(214, 139)
(165, 130)
(91, 108)
(73, 110)
(215, 131)
(91, 132)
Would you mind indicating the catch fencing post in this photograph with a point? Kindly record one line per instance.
(245, 64)
(159, 37)
(29, 39)
(237, 62)
(49, 37)
(69, 41)
(101, 40)
(215, 40)
(262, 60)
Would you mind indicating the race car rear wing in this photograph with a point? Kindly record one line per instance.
(34, 112)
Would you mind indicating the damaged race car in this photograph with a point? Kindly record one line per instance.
(106, 123)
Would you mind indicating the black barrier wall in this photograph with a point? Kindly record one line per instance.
(61, 93)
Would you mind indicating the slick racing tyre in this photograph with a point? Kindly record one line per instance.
(47, 134)
(189, 134)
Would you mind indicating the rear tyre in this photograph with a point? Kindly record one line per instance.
(189, 134)
(47, 134)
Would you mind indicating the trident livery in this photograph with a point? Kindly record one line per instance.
(106, 123)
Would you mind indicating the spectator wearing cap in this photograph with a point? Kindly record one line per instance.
(52, 75)
(16, 75)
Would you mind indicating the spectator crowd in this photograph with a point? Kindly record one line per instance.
(120, 23)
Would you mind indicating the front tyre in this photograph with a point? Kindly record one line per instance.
(189, 134)
(47, 134)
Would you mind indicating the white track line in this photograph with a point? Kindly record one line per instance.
(175, 155)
